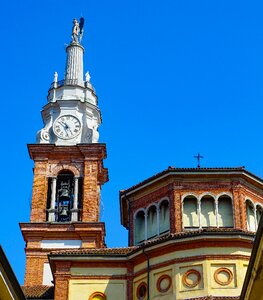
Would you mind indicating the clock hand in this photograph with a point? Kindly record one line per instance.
(61, 123)
(67, 128)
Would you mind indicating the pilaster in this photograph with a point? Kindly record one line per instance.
(39, 192)
(177, 212)
(90, 192)
(237, 208)
(62, 276)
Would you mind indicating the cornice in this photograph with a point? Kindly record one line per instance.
(96, 151)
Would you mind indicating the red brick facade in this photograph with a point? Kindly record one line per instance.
(85, 161)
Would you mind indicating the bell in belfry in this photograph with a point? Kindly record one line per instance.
(64, 191)
(64, 212)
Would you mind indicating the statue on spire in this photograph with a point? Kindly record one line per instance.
(77, 30)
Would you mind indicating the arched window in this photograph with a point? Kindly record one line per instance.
(155, 220)
(190, 212)
(139, 227)
(225, 211)
(152, 229)
(251, 224)
(98, 296)
(259, 213)
(208, 216)
(164, 216)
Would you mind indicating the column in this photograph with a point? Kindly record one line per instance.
(74, 65)
(216, 212)
(158, 219)
(199, 212)
(146, 227)
(51, 215)
(74, 211)
(255, 217)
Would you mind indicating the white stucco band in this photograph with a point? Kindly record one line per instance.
(60, 244)
(47, 275)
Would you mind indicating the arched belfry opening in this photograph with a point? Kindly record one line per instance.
(64, 197)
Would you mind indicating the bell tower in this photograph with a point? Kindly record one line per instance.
(68, 169)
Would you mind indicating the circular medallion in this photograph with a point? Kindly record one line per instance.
(223, 276)
(164, 283)
(67, 127)
(141, 291)
(191, 278)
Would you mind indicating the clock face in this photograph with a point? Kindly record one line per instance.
(67, 127)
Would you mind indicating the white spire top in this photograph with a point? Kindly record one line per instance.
(72, 116)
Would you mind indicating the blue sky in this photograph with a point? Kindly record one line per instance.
(173, 78)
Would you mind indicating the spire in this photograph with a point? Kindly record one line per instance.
(74, 64)
(72, 115)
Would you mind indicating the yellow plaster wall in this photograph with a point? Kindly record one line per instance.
(98, 271)
(5, 292)
(255, 285)
(194, 252)
(206, 286)
(83, 289)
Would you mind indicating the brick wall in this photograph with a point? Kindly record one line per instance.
(85, 160)
(34, 270)
(91, 197)
(174, 191)
(39, 193)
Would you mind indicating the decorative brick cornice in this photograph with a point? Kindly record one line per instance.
(39, 231)
(234, 172)
(46, 151)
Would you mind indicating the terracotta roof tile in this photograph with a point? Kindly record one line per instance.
(39, 292)
(163, 238)
(99, 251)
(198, 232)
(189, 170)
